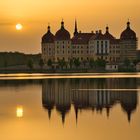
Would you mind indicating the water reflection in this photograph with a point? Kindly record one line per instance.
(61, 94)
(19, 111)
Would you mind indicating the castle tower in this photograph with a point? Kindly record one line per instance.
(76, 29)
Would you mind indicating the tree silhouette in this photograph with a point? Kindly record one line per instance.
(91, 63)
(76, 62)
(41, 63)
(49, 63)
(62, 63)
(30, 64)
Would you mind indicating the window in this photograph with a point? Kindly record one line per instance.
(97, 44)
(106, 44)
(97, 51)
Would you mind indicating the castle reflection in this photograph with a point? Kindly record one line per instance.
(89, 94)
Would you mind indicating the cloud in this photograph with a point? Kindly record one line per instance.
(5, 24)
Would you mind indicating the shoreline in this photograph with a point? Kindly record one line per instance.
(41, 76)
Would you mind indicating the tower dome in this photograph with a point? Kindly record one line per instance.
(128, 33)
(48, 37)
(108, 35)
(62, 34)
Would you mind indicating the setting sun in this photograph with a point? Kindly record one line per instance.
(19, 26)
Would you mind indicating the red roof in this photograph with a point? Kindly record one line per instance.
(62, 33)
(82, 38)
(128, 33)
(115, 41)
(48, 37)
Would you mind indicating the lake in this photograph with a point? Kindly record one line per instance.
(70, 106)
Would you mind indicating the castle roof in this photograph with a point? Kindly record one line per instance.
(108, 35)
(48, 37)
(128, 33)
(82, 38)
(100, 36)
(62, 33)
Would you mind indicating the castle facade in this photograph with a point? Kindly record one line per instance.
(87, 46)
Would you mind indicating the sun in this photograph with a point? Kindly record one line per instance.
(19, 26)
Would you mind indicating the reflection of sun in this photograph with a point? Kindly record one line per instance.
(19, 111)
(19, 26)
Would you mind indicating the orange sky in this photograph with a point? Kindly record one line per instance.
(35, 15)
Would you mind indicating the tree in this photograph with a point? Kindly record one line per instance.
(71, 63)
(5, 63)
(136, 61)
(49, 63)
(126, 62)
(61, 63)
(91, 63)
(100, 63)
(41, 63)
(30, 64)
(76, 62)
(84, 63)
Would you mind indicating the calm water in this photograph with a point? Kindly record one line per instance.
(66, 109)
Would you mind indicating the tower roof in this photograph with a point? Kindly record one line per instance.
(108, 35)
(48, 37)
(128, 33)
(62, 33)
(76, 29)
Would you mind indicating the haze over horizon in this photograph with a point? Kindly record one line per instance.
(35, 15)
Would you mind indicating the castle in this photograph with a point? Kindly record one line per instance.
(87, 46)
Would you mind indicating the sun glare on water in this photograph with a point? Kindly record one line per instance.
(19, 26)
(19, 112)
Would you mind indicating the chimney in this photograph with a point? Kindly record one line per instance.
(96, 32)
(100, 31)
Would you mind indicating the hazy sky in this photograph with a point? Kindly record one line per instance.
(36, 14)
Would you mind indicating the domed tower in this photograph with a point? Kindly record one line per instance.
(128, 41)
(108, 35)
(48, 46)
(62, 44)
(128, 33)
(62, 34)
